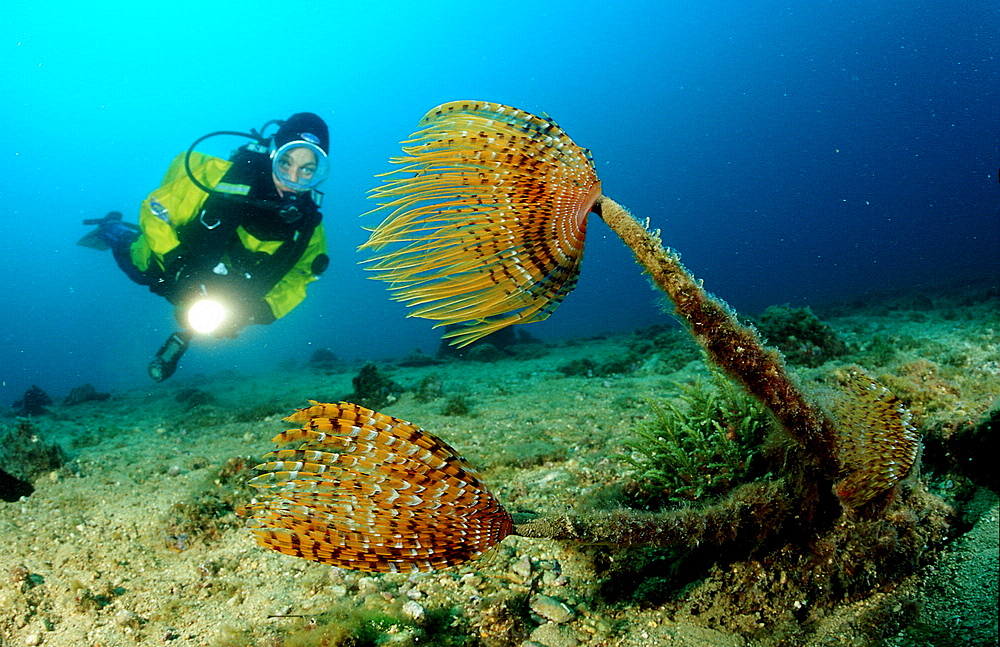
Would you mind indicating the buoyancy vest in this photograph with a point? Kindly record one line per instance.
(238, 242)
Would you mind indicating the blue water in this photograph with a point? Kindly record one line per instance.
(791, 153)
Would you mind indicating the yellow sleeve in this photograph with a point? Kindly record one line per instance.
(291, 289)
(173, 204)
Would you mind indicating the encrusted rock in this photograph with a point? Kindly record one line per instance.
(85, 393)
(551, 609)
(551, 634)
(367, 586)
(414, 611)
(522, 569)
(126, 618)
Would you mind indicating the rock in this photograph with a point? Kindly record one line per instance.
(678, 635)
(126, 618)
(193, 398)
(13, 488)
(554, 635)
(522, 569)
(399, 637)
(414, 611)
(323, 359)
(367, 586)
(485, 352)
(551, 609)
(84, 393)
(34, 402)
(26, 456)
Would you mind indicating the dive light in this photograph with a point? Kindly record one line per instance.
(165, 362)
(206, 315)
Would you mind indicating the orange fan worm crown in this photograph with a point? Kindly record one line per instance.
(488, 216)
(876, 444)
(370, 492)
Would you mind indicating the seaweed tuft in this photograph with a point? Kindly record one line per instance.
(457, 405)
(800, 335)
(373, 388)
(698, 447)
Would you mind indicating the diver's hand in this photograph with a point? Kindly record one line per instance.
(231, 327)
(258, 312)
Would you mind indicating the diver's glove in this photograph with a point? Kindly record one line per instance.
(249, 313)
(111, 232)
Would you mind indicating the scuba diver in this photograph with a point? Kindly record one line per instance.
(228, 243)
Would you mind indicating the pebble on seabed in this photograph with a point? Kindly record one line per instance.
(551, 609)
(414, 611)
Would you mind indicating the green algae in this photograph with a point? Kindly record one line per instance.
(700, 445)
(800, 335)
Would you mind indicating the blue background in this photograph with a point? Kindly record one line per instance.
(792, 152)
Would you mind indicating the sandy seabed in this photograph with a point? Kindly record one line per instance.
(134, 540)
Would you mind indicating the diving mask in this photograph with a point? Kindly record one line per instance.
(301, 164)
